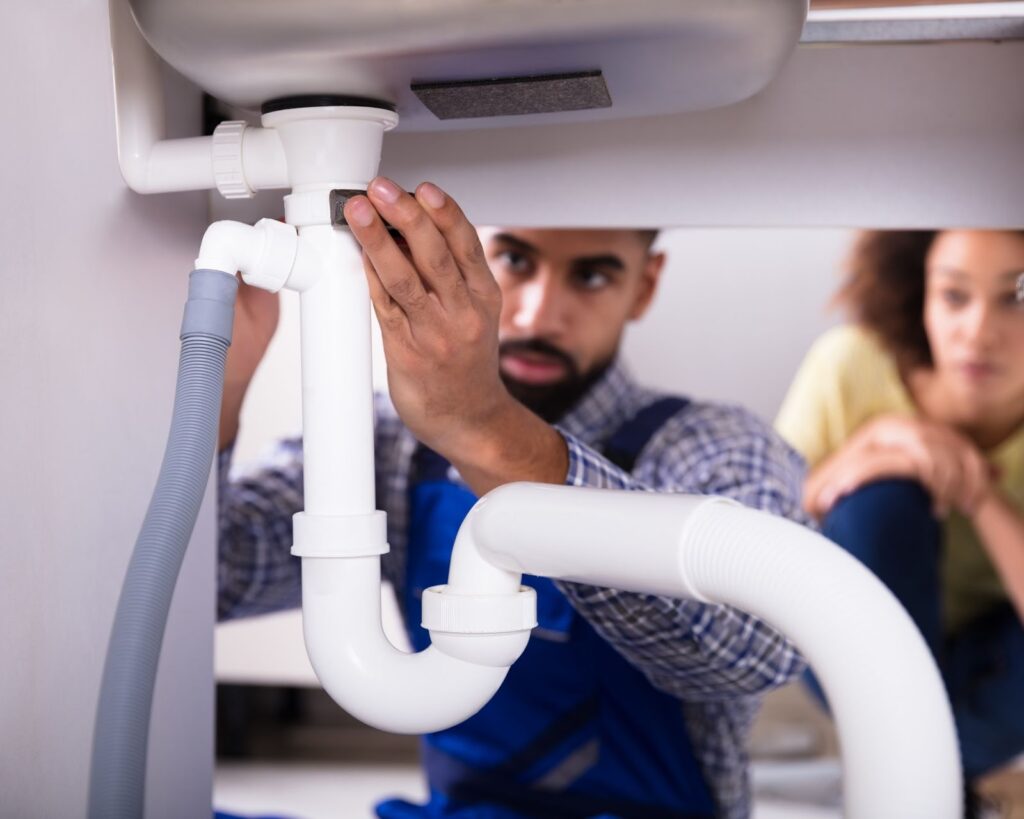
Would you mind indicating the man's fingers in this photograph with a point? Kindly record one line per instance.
(389, 315)
(430, 252)
(394, 271)
(461, 237)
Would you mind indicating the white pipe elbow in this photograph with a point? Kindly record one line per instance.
(231, 247)
(370, 678)
(479, 625)
(269, 255)
(237, 160)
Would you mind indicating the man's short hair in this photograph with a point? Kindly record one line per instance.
(648, 236)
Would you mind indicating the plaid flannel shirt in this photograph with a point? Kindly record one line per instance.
(715, 659)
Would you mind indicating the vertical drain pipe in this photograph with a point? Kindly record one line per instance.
(340, 535)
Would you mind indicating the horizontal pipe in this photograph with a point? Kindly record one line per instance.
(895, 726)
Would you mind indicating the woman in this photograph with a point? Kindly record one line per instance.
(912, 423)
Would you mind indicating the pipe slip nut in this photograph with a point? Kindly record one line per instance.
(339, 535)
(485, 629)
(273, 265)
(479, 613)
(228, 168)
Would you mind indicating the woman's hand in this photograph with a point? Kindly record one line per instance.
(946, 462)
(850, 468)
(943, 460)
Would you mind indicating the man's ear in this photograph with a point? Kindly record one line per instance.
(649, 278)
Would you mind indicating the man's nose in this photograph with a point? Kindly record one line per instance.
(540, 309)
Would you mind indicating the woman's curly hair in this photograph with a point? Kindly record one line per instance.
(884, 291)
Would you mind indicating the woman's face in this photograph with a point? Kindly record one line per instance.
(974, 323)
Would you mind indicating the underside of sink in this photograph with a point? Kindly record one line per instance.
(650, 56)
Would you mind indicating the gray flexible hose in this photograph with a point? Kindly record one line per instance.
(117, 776)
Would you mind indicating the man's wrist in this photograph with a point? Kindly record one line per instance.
(512, 444)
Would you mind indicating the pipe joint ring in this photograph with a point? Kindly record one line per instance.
(444, 611)
(339, 535)
(274, 264)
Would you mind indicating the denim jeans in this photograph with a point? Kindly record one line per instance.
(890, 528)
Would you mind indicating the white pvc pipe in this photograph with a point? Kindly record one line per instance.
(337, 386)
(229, 246)
(339, 535)
(149, 162)
(263, 159)
(896, 730)
(895, 725)
(369, 677)
(331, 146)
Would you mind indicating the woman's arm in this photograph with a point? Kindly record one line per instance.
(896, 446)
(853, 465)
(1000, 525)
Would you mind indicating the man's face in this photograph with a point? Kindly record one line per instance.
(567, 296)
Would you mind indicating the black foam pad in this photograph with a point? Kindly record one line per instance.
(510, 96)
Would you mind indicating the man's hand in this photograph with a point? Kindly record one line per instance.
(438, 307)
(256, 316)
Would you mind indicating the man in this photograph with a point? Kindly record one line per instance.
(622, 704)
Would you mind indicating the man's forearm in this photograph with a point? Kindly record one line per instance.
(230, 411)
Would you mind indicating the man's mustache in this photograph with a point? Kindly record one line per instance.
(537, 345)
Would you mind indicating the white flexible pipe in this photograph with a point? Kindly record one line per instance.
(895, 726)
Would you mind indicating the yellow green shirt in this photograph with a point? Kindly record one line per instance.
(848, 378)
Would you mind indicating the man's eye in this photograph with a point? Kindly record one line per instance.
(513, 261)
(592, 279)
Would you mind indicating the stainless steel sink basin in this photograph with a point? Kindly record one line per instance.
(655, 56)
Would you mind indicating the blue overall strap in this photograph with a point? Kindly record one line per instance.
(575, 732)
(629, 440)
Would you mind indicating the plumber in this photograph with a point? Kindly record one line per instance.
(502, 353)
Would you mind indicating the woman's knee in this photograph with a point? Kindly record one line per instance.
(883, 511)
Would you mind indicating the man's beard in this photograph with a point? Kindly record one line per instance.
(550, 401)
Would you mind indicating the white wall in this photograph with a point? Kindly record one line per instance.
(736, 311)
(93, 280)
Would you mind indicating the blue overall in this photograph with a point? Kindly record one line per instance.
(575, 730)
